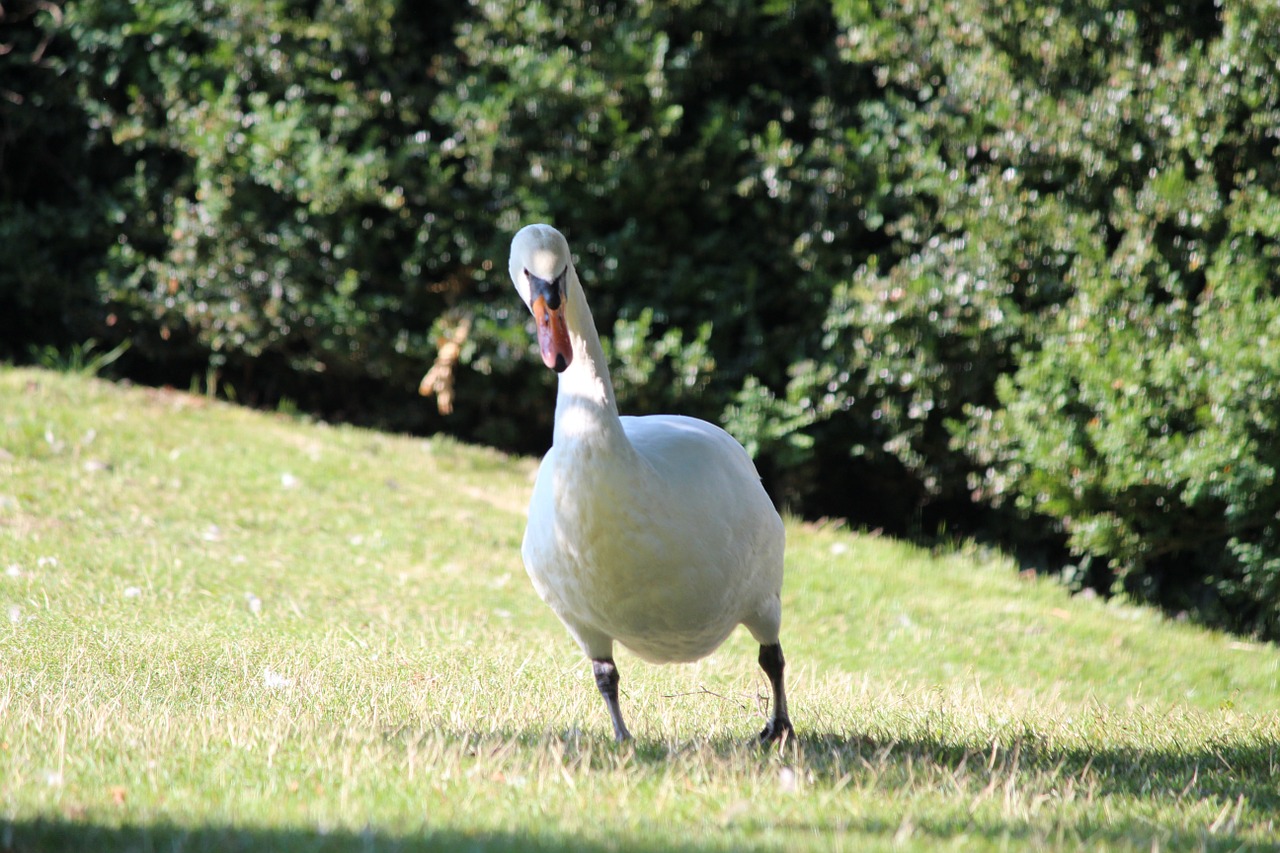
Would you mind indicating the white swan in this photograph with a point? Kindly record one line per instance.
(651, 531)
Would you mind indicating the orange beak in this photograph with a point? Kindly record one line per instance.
(553, 335)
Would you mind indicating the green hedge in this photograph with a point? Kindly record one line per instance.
(1007, 269)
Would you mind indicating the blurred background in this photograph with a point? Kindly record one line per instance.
(1007, 271)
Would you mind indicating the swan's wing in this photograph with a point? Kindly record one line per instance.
(688, 448)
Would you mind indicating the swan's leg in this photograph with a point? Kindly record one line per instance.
(606, 673)
(779, 726)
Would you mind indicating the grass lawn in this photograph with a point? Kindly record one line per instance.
(228, 630)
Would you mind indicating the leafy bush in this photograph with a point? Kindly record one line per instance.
(681, 149)
(1078, 288)
(1141, 415)
(308, 198)
(51, 200)
(1147, 426)
(281, 205)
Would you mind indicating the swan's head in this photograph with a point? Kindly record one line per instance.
(540, 269)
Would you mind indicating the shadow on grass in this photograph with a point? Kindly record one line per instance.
(1225, 770)
(55, 835)
(1239, 780)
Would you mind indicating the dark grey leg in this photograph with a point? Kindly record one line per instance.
(606, 673)
(779, 727)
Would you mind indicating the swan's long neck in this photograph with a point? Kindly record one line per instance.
(586, 409)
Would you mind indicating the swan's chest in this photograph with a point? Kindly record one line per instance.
(601, 528)
(659, 559)
(592, 522)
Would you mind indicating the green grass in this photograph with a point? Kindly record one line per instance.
(225, 630)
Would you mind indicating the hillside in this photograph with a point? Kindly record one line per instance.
(225, 629)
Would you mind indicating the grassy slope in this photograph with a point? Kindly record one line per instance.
(227, 630)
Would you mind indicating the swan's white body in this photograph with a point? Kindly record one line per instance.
(654, 532)
(651, 531)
